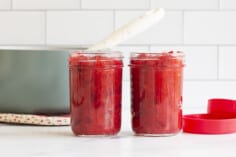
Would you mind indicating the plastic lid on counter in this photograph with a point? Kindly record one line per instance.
(219, 119)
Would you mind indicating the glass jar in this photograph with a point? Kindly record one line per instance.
(156, 91)
(95, 92)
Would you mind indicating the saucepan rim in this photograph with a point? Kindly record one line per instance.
(46, 48)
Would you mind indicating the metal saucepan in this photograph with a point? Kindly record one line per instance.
(34, 80)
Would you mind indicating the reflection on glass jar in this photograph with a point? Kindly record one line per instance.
(95, 92)
(156, 91)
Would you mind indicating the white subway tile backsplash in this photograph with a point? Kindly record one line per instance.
(168, 31)
(203, 29)
(185, 4)
(126, 99)
(201, 61)
(5, 4)
(126, 105)
(126, 52)
(227, 4)
(196, 93)
(46, 4)
(115, 4)
(22, 28)
(78, 27)
(227, 63)
(210, 27)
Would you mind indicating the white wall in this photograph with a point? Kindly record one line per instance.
(204, 29)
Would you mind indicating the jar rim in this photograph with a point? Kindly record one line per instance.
(178, 54)
(139, 59)
(104, 53)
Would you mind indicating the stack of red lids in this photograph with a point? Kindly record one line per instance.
(219, 119)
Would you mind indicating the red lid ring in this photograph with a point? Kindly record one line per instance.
(209, 123)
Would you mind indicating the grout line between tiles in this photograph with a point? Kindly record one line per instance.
(149, 47)
(202, 80)
(203, 45)
(183, 20)
(140, 45)
(210, 80)
(130, 9)
(219, 8)
(114, 20)
(149, 4)
(218, 62)
(86, 9)
(45, 27)
(168, 10)
(11, 5)
(80, 4)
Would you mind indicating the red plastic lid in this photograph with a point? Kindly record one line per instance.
(221, 106)
(220, 119)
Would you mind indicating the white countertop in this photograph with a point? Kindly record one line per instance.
(24, 141)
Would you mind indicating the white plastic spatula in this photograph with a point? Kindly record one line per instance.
(130, 29)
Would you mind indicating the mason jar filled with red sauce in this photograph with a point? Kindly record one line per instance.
(95, 92)
(156, 93)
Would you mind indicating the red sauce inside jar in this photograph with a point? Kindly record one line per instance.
(95, 93)
(156, 91)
